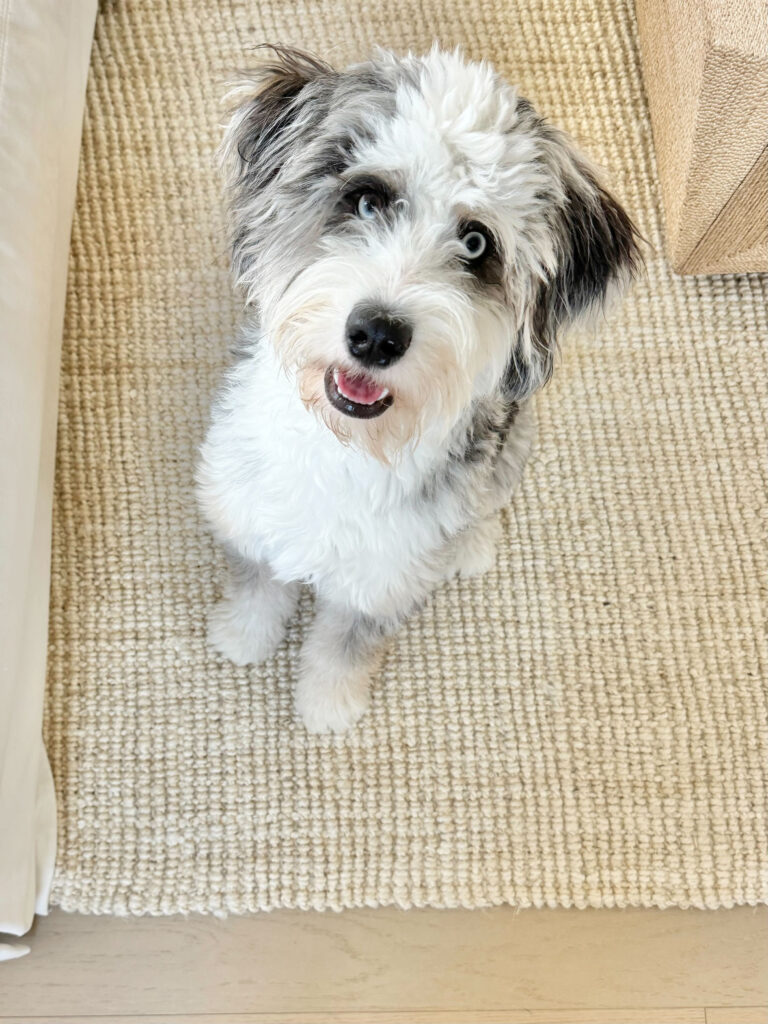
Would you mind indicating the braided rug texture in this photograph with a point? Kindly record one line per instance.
(585, 725)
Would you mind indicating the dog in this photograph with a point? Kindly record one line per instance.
(411, 238)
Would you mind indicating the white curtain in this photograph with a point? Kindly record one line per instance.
(44, 54)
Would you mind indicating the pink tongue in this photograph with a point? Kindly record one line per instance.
(359, 389)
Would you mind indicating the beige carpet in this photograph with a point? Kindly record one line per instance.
(584, 726)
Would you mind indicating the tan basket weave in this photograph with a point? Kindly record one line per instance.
(705, 65)
(586, 725)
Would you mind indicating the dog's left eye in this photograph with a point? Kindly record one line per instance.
(369, 204)
(476, 241)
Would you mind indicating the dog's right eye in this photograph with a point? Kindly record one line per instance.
(369, 204)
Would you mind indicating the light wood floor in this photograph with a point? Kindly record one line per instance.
(394, 967)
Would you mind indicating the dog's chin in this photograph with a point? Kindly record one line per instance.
(356, 394)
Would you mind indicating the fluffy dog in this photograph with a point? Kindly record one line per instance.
(411, 238)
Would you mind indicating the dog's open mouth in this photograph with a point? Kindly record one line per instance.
(356, 394)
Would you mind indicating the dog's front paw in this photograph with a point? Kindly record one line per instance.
(476, 551)
(328, 702)
(241, 634)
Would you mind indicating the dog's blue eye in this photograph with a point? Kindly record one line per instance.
(369, 204)
(475, 243)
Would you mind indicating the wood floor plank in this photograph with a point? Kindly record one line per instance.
(389, 962)
(737, 1015)
(659, 1015)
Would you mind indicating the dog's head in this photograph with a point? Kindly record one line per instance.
(413, 236)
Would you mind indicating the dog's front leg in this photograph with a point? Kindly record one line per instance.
(338, 660)
(247, 625)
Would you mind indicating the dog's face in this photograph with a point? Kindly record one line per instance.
(413, 236)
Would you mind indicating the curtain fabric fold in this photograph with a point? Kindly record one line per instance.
(44, 56)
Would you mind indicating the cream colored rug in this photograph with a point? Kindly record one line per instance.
(584, 726)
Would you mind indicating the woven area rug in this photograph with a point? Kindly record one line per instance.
(586, 725)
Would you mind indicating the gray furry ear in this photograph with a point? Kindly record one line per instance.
(278, 108)
(596, 251)
(269, 116)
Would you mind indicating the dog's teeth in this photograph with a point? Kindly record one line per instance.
(383, 394)
(336, 377)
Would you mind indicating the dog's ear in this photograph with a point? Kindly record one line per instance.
(272, 112)
(595, 252)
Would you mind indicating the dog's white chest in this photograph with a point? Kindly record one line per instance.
(281, 488)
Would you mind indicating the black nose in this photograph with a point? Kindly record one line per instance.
(377, 339)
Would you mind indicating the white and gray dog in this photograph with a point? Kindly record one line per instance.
(411, 238)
